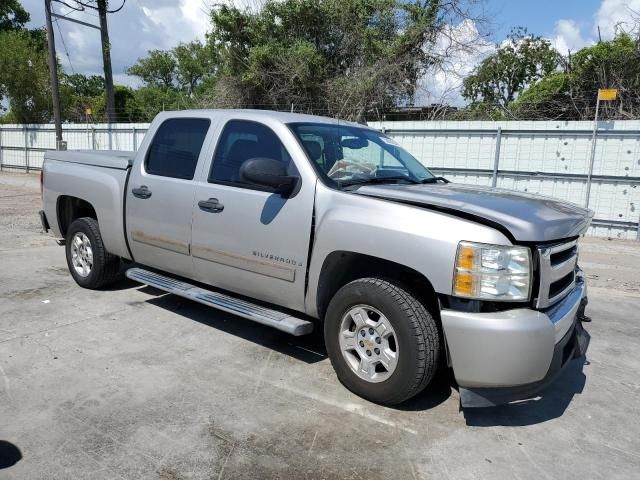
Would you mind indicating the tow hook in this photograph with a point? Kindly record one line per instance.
(581, 315)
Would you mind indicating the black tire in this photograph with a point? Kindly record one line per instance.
(106, 267)
(416, 332)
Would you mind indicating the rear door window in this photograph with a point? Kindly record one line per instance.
(176, 146)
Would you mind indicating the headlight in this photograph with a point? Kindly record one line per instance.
(492, 272)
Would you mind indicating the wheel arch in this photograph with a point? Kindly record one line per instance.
(70, 208)
(341, 267)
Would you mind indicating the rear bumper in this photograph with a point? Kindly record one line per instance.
(506, 356)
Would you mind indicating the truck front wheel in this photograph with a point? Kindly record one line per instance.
(383, 343)
(91, 266)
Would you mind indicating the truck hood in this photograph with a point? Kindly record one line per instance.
(526, 217)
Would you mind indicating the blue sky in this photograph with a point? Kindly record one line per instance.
(539, 16)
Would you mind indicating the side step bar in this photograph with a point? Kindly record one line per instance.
(266, 316)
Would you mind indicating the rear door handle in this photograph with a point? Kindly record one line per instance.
(212, 205)
(141, 192)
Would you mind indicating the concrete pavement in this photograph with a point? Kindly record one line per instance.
(133, 383)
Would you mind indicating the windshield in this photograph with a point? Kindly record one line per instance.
(348, 155)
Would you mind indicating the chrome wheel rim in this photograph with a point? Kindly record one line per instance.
(368, 343)
(81, 254)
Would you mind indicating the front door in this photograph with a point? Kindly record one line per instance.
(247, 239)
(160, 195)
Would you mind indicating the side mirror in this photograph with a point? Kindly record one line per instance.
(268, 172)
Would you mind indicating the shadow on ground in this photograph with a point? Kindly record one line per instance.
(9, 454)
(309, 348)
(551, 403)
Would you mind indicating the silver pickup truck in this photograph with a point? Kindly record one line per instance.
(301, 222)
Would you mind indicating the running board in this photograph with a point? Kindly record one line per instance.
(266, 316)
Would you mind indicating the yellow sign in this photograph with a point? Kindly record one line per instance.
(607, 94)
(88, 111)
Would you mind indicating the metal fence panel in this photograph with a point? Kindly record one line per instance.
(549, 158)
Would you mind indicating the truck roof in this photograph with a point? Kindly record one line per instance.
(282, 117)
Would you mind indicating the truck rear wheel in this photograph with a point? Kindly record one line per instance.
(383, 343)
(91, 266)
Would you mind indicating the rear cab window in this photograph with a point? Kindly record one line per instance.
(176, 146)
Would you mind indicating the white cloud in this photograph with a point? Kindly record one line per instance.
(568, 37)
(461, 47)
(612, 17)
(616, 15)
(140, 26)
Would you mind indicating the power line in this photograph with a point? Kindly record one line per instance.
(95, 7)
(101, 7)
(64, 45)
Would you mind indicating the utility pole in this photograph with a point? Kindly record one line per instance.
(53, 75)
(106, 60)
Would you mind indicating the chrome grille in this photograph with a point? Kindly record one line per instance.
(557, 272)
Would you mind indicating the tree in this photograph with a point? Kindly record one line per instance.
(519, 62)
(83, 85)
(193, 63)
(572, 94)
(612, 64)
(78, 93)
(24, 77)
(547, 99)
(13, 16)
(182, 68)
(337, 57)
(127, 107)
(159, 68)
(154, 99)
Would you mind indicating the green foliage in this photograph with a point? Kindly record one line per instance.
(182, 68)
(520, 61)
(158, 69)
(548, 98)
(83, 85)
(193, 63)
(572, 94)
(153, 99)
(127, 107)
(341, 57)
(13, 16)
(78, 93)
(24, 77)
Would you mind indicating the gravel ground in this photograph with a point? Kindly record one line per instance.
(132, 383)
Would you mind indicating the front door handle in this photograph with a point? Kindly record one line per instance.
(141, 192)
(212, 205)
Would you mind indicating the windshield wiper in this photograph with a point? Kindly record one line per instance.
(364, 181)
(434, 180)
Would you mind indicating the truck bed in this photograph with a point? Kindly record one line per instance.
(95, 177)
(118, 159)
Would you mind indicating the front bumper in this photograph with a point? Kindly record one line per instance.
(505, 356)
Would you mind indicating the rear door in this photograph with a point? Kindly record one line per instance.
(246, 238)
(160, 195)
